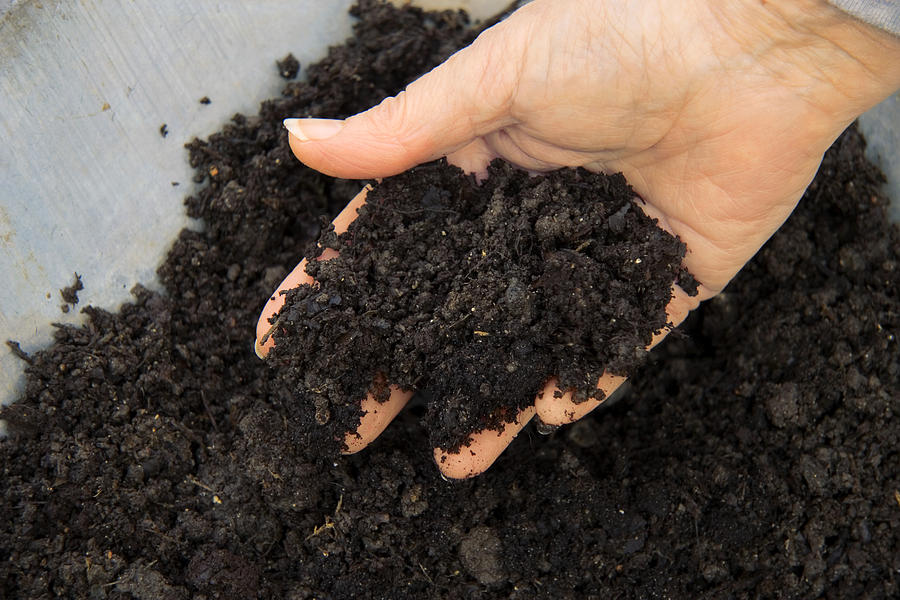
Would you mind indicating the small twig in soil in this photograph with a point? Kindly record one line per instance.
(583, 245)
(212, 419)
(425, 573)
(193, 480)
(466, 316)
(329, 521)
(329, 524)
(17, 350)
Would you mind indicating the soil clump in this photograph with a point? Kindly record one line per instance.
(69, 294)
(288, 67)
(475, 294)
(152, 454)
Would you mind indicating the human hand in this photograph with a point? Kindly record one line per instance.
(717, 113)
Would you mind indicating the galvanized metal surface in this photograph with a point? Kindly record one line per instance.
(881, 126)
(86, 176)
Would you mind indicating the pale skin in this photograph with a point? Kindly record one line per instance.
(718, 113)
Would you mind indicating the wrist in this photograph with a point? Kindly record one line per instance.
(883, 14)
(843, 65)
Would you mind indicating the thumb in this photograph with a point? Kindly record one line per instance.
(462, 99)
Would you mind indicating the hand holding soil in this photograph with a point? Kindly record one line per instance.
(717, 115)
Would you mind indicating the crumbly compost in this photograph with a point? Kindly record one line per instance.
(475, 294)
(153, 456)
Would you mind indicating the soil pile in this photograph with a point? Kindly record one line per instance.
(755, 456)
(475, 294)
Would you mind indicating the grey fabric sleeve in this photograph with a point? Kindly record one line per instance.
(884, 14)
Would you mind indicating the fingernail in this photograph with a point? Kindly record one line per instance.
(315, 130)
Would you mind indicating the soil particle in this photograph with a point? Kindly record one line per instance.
(479, 552)
(413, 502)
(153, 439)
(222, 574)
(69, 294)
(144, 583)
(288, 67)
(583, 433)
(783, 404)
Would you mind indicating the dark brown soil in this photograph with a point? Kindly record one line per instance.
(69, 294)
(473, 294)
(288, 67)
(755, 457)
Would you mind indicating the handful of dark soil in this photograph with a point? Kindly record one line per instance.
(476, 294)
